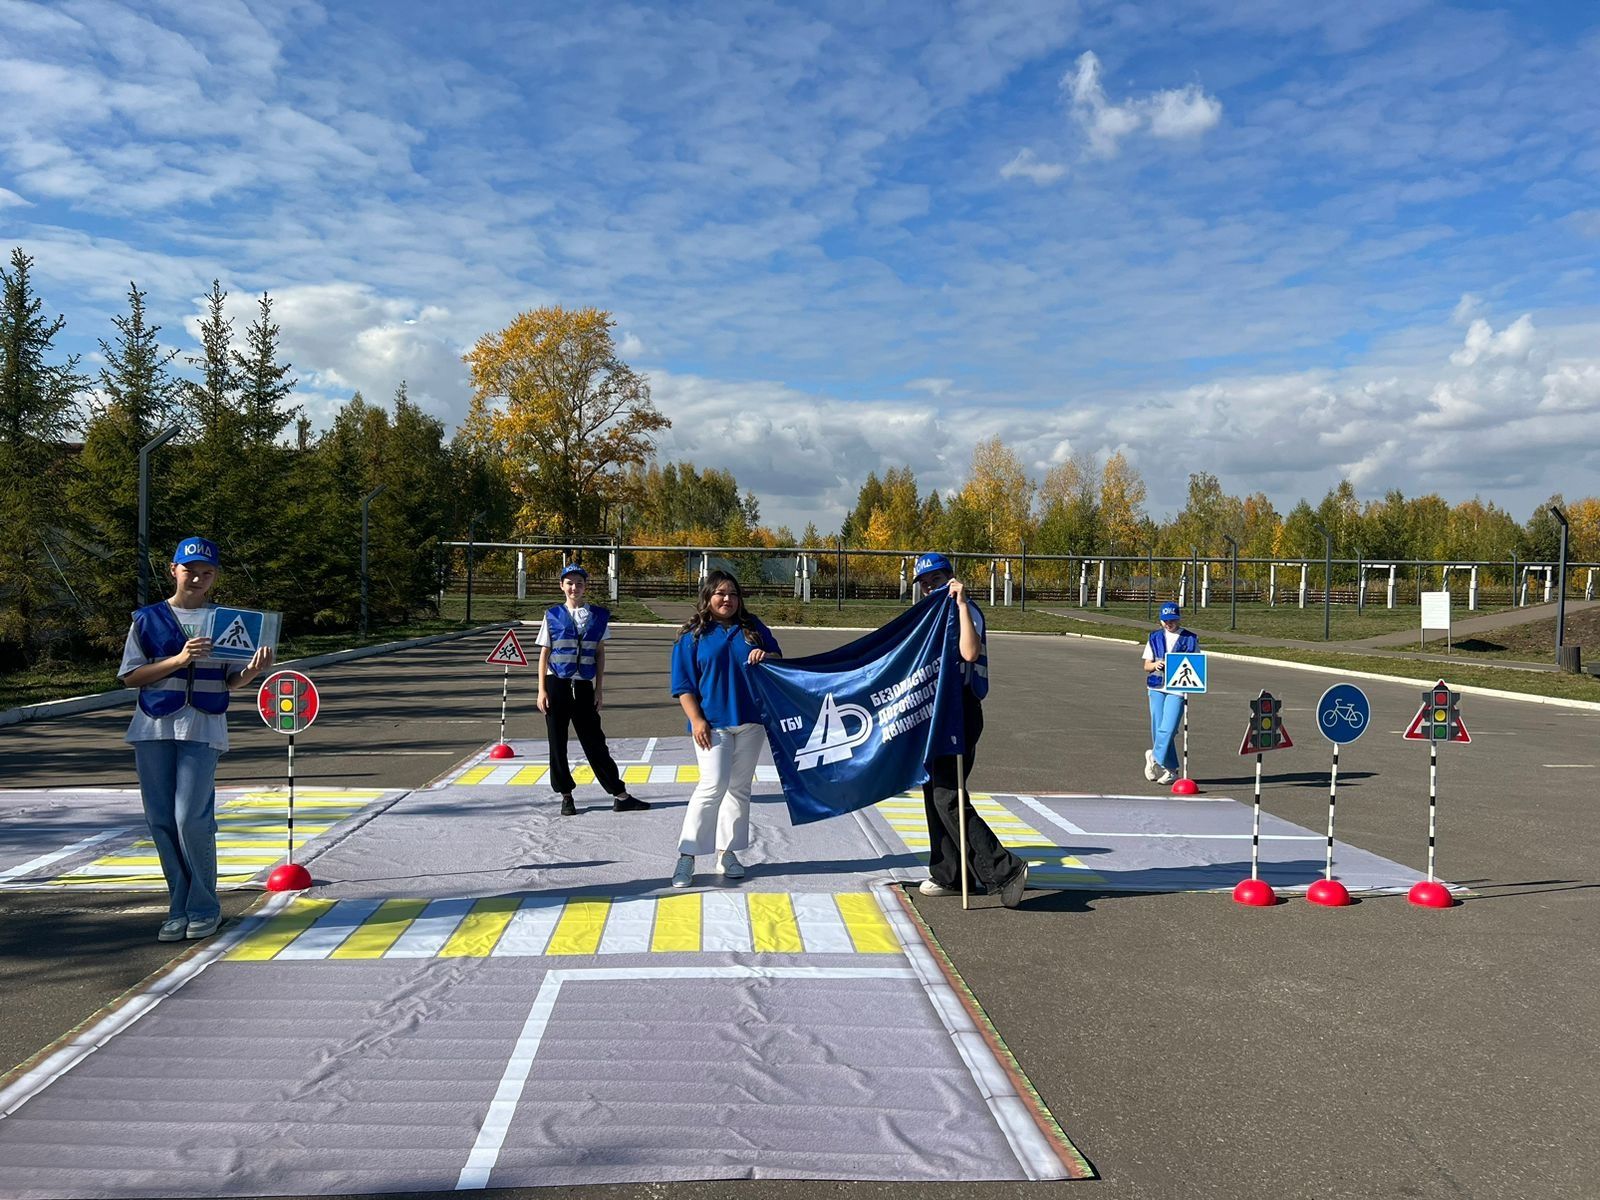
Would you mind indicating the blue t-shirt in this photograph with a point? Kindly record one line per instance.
(713, 669)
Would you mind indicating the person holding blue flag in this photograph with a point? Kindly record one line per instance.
(1166, 708)
(711, 663)
(943, 794)
(179, 730)
(572, 668)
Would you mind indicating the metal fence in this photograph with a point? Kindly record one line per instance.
(514, 574)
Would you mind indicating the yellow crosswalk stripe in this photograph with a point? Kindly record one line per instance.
(677, 924)
(481, 928)
(380, 931)
(580, 927)
(475, 774)
(909, 820)
(636, 774)
(688, 774)
(864, 921)
(280, 930)
(773, 927)
(530, 775)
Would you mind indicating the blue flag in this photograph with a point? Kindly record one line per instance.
(859, 724)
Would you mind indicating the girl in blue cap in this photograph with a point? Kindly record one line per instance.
(1166, 709)
(572, 668)
(1001, 871)
(179, 730)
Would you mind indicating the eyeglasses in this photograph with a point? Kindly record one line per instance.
(724, 595)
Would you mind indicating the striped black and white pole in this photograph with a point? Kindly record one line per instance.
(505, 688)
(1333, 795)
(1185, 771)
(288, 854)
(1433, 800)
(1255, 828)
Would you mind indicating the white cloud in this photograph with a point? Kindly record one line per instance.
(9, 199)
(1173, 113)
(1514, 341)
(1027, 165)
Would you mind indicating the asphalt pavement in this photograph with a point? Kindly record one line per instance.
(1189, 1047)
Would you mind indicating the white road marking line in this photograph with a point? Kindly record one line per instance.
(531, 926)
(396, 753)
(628, 926)
(427, 935)
(1569, 766)
(329, 931)
(649, 749)
(29, 1085)
(497, 1121)
(44, 860)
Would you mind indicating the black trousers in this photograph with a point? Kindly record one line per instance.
(572, 701)
(987, 859)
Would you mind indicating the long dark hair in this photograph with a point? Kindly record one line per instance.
(703, 619)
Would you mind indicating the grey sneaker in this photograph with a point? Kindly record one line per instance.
(1011, 890)
(1165, 777)
(929, 888)
(684, 875)
(173, 930)
(730, 866)
(202, 929)
(1150, 768)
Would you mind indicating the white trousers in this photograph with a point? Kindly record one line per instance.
(719, 810)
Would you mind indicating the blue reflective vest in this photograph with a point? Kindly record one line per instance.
(160, 636)
(573, 656)
(1186, 643)
(975, 675)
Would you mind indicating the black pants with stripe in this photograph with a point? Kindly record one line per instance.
(987, 859)
(572, 702)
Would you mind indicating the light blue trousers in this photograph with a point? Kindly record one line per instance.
(178, 784)
(1166, 713)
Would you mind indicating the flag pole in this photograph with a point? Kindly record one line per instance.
(961, 819)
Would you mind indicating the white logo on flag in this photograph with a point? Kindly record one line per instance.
(236, 637)
(831, 741)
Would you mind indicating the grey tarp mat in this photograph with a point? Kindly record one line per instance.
(712, 1054)
(96, 839)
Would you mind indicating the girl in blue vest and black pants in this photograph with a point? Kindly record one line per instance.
(179, 730)
(1166, 708)
(572, 667)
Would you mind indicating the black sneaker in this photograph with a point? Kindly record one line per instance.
(627, 803)
(568, 808)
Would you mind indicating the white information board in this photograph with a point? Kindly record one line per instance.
(1435, 615)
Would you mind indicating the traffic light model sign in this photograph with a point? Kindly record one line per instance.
(1265, 732)
(508, 653)
(288, 702)
(1436, 722)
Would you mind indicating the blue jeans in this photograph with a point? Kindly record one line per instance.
(177, 782)
(1165, 713)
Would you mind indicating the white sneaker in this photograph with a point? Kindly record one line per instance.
(730, 866)
(929, 888)
(684, 875)
(1150, 768)
(1166, 777)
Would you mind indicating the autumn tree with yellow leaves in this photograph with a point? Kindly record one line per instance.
(552, 399)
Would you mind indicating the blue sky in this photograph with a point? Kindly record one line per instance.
(1279, 241)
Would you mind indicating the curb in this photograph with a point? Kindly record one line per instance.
(1467, 689)
(50, 709)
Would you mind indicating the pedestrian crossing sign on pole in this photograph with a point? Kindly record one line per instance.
(507, 652)
(237, 633)
(1186, 673)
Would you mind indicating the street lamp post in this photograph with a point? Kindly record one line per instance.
(1561, 593)
(1233, 583)
(1327, 580)
(155, 443)
(366, 503)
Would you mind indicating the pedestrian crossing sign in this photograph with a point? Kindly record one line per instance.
(1186, 673)
(237, 633)
(507, 652)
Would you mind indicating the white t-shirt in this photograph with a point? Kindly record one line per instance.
(582, 616)
(188, 724)
(1172, 640)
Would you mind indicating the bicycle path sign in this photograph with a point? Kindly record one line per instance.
(1343, 713)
